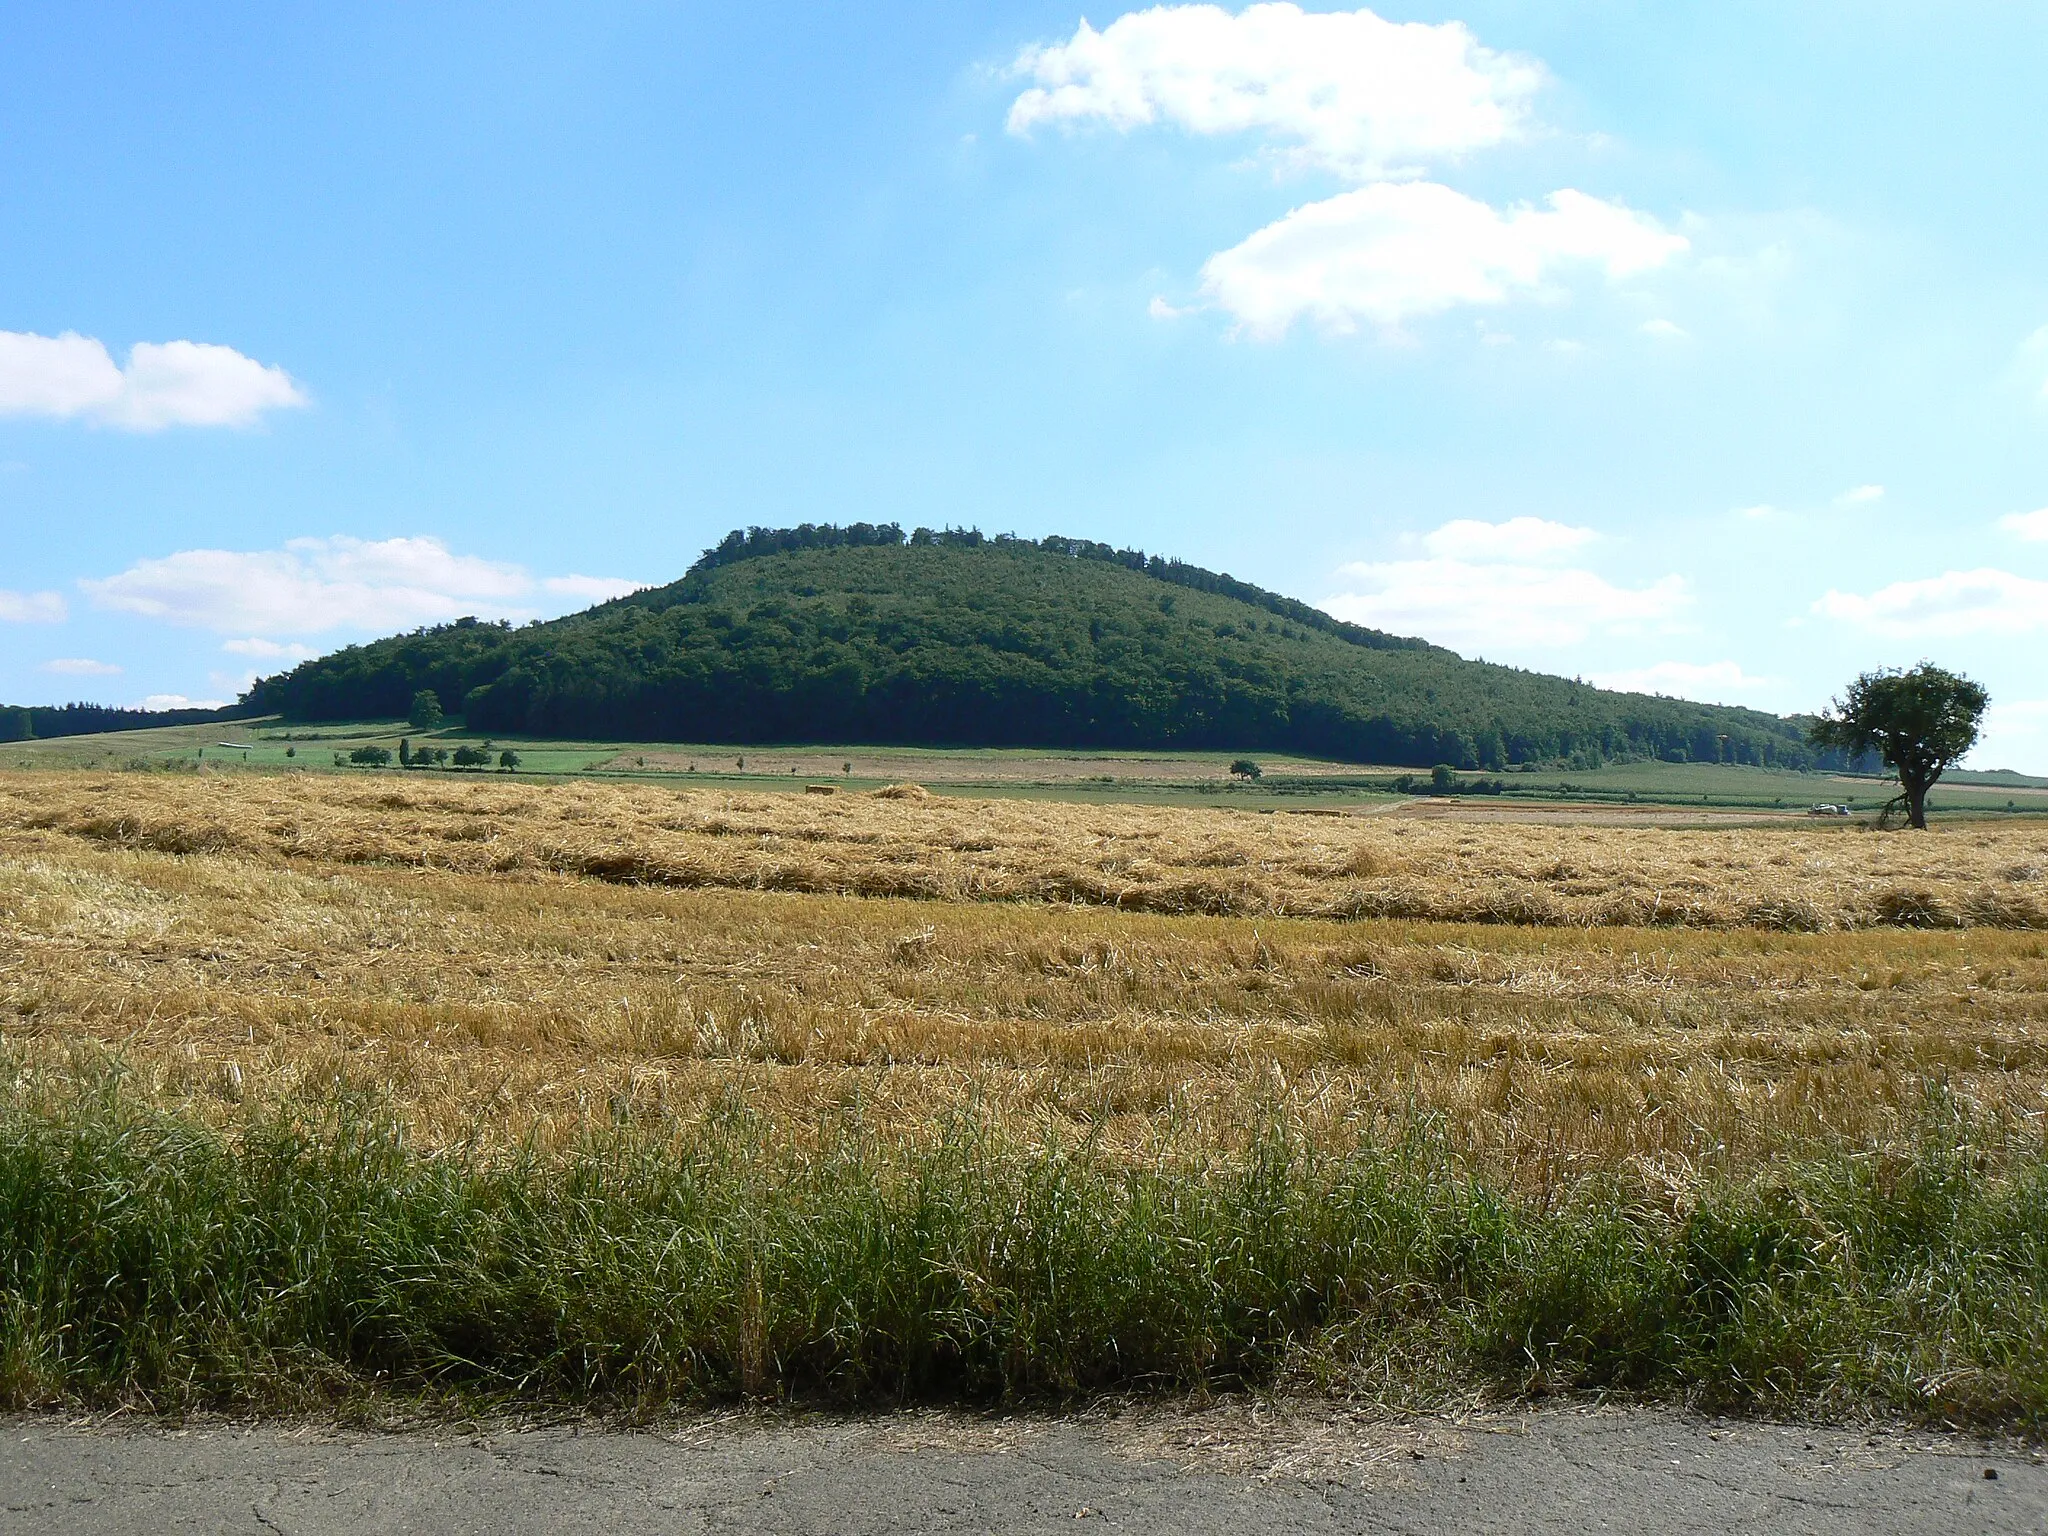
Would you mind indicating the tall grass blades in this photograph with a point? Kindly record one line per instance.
(144, 1258)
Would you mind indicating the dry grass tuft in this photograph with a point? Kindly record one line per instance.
(903, 792)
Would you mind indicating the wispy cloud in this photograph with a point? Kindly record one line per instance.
(81, 666)
(317, 585)
(1980, 602)
(1516, 539)
(588, 589)
(31, 608)
(163, 384)
(2015, 736)
(1503, 589)
(1709, 682)
(2031, 363)
(1860, 496)
(270, 650)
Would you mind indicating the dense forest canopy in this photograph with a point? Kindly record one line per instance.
(38, 721)
(861, 634)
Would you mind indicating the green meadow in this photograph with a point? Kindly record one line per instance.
(1144, 777)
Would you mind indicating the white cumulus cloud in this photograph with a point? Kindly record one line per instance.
(1398, 250)
(1509, 596)
(315, 585)
(31, 608)
(81, 666)
(1980, 602)
(164, 384)
(2031, 526)
(1346, 90)
(1376, 103)
(1709, 682)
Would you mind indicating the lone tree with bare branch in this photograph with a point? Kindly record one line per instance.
(1919, 722)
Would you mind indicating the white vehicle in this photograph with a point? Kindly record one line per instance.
(1828, 810)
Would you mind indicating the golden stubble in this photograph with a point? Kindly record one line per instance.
(523, 1001)
(1217, 862)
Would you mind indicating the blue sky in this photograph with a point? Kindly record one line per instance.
(1697, 348)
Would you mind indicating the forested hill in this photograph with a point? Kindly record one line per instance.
(32, 722)
(862, 635)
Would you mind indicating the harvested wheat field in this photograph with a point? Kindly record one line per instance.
(902, 842)
(1063, 1047)
(445, 947)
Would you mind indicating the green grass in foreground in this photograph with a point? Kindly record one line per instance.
(147, 1260)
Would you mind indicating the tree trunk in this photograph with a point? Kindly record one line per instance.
(1916, 805)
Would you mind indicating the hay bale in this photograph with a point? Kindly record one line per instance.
(903, 792)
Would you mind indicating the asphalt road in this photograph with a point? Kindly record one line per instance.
(1299, 1468)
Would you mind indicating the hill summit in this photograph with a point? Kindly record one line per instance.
(863, 634)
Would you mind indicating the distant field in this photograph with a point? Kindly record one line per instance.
(1163, 778)
(905, 842)
(269, 744)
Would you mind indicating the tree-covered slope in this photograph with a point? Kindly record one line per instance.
(36, 721)
(859, 635)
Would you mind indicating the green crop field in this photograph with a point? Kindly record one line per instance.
(1142, 777)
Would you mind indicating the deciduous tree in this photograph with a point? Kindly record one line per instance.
(1919, 722)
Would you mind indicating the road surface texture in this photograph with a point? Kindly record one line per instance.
(1297, 1467)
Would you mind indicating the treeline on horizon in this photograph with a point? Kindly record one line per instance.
(862, 635)
(40, 722)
